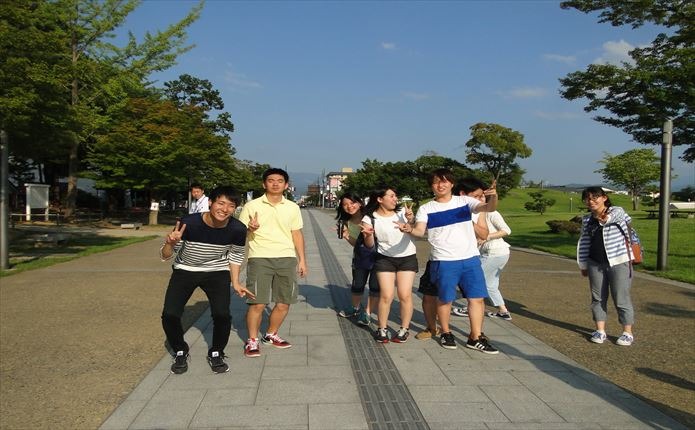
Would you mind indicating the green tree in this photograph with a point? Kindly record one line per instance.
(149, 149)
(656, 85)
(84, 77)
(187, 93)
(33, 108)
(496, 149)
(191, 91)
(634, 169)
(409, 178)
(540, 203)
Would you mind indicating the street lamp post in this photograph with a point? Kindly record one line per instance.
(664, 197)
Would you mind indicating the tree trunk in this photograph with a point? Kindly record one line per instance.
(153, 217)
(73, 160)
(71, 197)
(634, 202)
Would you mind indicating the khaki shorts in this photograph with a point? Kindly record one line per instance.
(272, 278)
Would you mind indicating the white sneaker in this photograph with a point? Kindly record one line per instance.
(625, 340)
(598, 337)
(461, 312)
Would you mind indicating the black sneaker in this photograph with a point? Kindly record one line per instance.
(180, 364)
(448, 341)
(504, 315)
(382, 335)
(481, 344)
(216, 362)
(401, 336)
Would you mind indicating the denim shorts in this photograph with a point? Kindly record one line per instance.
(359, 280)
(466, 274)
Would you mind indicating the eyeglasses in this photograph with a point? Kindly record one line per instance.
(592, 198)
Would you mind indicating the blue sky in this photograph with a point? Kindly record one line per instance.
(316, 86)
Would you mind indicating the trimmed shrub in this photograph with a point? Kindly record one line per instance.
(559, 226)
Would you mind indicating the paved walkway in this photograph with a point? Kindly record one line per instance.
(336, 377)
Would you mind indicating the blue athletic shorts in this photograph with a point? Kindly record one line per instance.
(466, 274)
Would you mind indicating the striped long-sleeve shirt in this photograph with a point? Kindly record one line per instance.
(206, 249)
(614, 240)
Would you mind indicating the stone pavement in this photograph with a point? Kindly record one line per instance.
(336, 377)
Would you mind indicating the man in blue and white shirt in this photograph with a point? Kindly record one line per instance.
(209, 250)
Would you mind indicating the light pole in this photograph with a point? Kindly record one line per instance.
(664, 196)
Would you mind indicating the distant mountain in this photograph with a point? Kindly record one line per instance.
(301, 181)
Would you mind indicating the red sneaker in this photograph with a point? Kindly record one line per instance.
(275, 340)
(251, 348)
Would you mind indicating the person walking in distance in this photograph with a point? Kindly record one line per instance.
(275, 257)
(384, 226)
(603, 256)
(447, 220)
(349, 216)
(208, 249)
(201, 202)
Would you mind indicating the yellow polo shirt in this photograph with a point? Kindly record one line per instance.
(273, 238)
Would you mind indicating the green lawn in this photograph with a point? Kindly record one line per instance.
(77, 246)
(529, 230)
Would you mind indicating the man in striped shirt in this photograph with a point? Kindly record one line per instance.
(208, 249)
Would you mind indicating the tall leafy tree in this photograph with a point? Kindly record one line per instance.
(189, 92)
(101, 69)
(656, 85)
(33, 96)
(635, 170)
(496, 149)
(149, 149)
(80, 63)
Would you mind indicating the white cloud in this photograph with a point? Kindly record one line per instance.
(388, 46)
(415, 96)
(556, 115)
(615, 53)
(240, 81)
(524, 93)
(566, 59)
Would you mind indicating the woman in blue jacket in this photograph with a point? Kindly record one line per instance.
(603, 256)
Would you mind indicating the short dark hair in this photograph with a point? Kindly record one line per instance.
(225, 191)
(442, 173)
(468, 185)
(197, 185)
(275, 171)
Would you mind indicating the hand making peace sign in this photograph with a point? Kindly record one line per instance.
(253, 222)
(409, 215)
(175, 236)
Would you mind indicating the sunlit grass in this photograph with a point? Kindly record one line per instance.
(76, 247)
(529, 230)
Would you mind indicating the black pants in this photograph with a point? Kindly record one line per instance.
(216, 286)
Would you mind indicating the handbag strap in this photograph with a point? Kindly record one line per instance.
(627, 243)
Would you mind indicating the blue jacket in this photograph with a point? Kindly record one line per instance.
(613, 239)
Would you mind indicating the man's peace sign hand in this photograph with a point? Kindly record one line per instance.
(175, 236)
(253, 222)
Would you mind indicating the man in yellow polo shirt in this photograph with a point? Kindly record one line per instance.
(276, 256)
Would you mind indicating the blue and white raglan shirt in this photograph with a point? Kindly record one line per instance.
(450, 228)
(207, 249)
